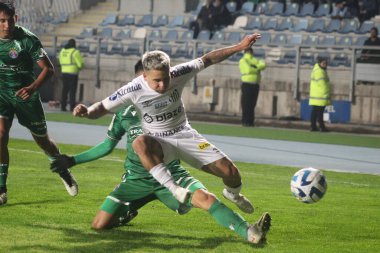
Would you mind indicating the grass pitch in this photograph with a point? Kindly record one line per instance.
(41, 217)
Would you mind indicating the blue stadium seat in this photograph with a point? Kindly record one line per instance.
(280, 39)
(340, 59)
(166, 47)
(289, 57)
(333, 26)
(311, 40)
(247, 8)
(292, 9)
(123, 34)
(254, 23)
(155, 35)
(360, 41)
(116, 49)
(183, 51)
(366, 27)
(231, 6)
(307, 58)
(259, 53)
(218, 37)
(145, 20)
(62, 17)
(300, 25)
(350, 26)
(171, 35)
(296, 39)
(133, 49)
(275, 8)
(177, 21)
(236, 57)
(127, 20)
(322, 10)
(88, 32)
(110, 19)
(161, 20)
(233, 37)
(344, 41)
(105, 33)
(270, 24)
(328, 40)
(307, 9)
(261, 8)
(204, 35)
(265, 39)
(286, 24)
(83, 46)
(187, 35)
(318, 25)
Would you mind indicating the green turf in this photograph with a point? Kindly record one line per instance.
(41, 217)
(257, 132)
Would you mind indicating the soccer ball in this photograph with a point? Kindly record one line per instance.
(308, 185)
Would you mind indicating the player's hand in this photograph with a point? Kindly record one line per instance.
(24, 93)
(62, 163)
(249, 40)
(80, 111)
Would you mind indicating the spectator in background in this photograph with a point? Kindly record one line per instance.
(250, 70)
(339, 10)
(204, 19)
(222, 17)
(370, 55)
(320, 89)
(71, 63)
(367, 9)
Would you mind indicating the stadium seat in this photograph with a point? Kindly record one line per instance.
(247, 8)
(62, 17)
(288, 57)
(286, 24)
(187, 35)
(218, 37)
(291, 9)
(307, 58)
(123, 34)
(366, 27)
(105, 33)
(254, 23)
(280, 39)
(83, 46)
(350, 26)
(236, 57)
(155, 35)
(328, 40)
(333, 26)
(259, 53)
(161, 20)
(240, 22)
(231, 6)
(261, 8)
(127, 20)
(295, 39)
(88, 32)
(300, 25)
(360, 41)
(233, 37)
(177, 21)
(133, 49)
(323, 10)
(166, 47)
(307, 9)
(145, 20)
(318, 25)
(116, 48)
(110, 19)
(139, 33)
(311, 40)
(275, 8)
(183, 51)
(344, 41)
(270, 24)
(171, 35)
(265, 39)
(204, 35)
(340, 59)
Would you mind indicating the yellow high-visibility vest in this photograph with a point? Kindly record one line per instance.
(319, 87)
(250, 68)
(71, 61)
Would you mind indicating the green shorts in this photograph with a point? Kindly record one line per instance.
(132, 193)
(29, 113)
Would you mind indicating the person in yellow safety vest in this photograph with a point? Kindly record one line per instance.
(71, 63)
(250, 70)
(319, 94)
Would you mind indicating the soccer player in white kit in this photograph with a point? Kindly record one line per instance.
(167, 134)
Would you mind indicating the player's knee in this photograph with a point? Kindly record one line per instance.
(203, 199)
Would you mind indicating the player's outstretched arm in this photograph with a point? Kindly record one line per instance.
(95, 111)
(221, 54)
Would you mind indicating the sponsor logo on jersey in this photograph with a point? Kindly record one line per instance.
(147, 103)
(170, 132)
(125, 90)
(203, 145)
(179, 71)
(134, 132)
(174, 96)
(13, 53)
(163, 116)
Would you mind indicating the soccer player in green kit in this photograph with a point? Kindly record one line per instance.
(138, 187)
(19, 51)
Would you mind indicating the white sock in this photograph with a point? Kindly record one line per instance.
(163, 176)
(235, 190)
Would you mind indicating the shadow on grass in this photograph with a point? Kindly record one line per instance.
(121, 240)
(30, 203)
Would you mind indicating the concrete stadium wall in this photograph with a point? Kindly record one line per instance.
(277, 85)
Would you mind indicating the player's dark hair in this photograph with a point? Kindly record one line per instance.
(8, 8)
(139, 66)
(375, 29)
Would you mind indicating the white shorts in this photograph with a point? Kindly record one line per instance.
(189, 146)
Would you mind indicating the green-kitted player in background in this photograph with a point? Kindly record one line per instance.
(19, 51)
(138, 186)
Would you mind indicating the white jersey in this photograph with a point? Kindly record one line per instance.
(161, 114)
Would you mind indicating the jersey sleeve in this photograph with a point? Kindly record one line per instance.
(115, 129)
(36, 51)
(121, 97)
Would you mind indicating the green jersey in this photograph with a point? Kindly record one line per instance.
(17, 58)
(126, 121)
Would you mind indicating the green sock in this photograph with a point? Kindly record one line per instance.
(3, 176)
(228, 218)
